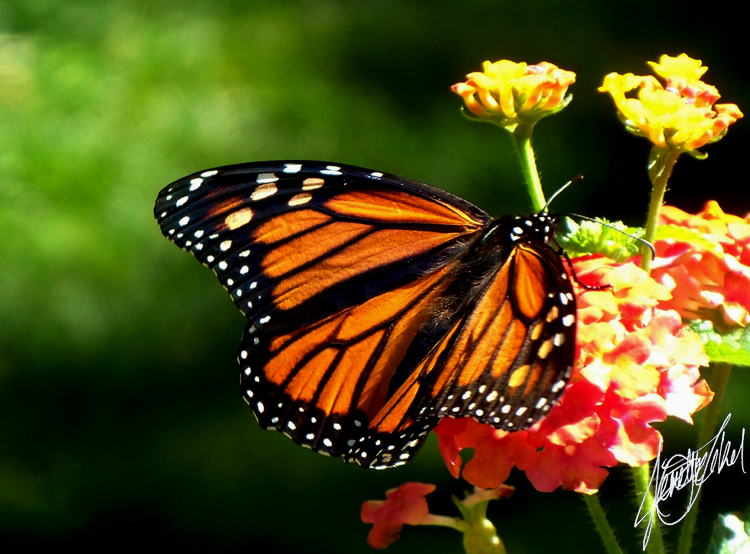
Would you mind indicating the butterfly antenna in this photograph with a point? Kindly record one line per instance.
(639, 239)
(576, 179)
(579, 179)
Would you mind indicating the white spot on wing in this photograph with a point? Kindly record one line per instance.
(263, 191)
(312, 183)
(292, 168)
(237, 219)
(299, 199)
(558, 386)
(331, 170)
(266, 178)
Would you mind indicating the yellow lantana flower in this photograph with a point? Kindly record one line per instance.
(681, 116)
(509, 93)
(682, 69)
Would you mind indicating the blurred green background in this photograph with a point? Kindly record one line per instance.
(121, 423)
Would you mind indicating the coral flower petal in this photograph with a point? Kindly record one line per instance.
(404, 505)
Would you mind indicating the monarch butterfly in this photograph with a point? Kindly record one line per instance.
(376, 304)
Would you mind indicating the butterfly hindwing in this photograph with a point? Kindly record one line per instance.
(325, 383)
(504, 362)
(513, 354)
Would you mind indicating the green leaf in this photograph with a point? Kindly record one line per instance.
(731, 347)
(589, 237)
(729, 535)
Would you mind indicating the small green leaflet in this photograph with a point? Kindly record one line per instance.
(732, 347)
(588, 237)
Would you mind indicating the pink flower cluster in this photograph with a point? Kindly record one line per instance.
(708, 269)
(636, 363)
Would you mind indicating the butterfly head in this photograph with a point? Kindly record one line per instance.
(511, 230)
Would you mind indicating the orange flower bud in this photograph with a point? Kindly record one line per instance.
(509, 93)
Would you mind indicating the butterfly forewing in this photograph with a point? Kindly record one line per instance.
(377, 305)
(310, 239)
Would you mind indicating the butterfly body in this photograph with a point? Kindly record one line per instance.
(377, 305)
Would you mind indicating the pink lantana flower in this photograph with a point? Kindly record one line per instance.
(705, 259)
(406, 504)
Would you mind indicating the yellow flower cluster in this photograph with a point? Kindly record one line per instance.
(680, 116)
(509, 93)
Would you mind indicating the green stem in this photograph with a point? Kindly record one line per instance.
(719, 378)
(661, 163)
(481, 535)
(602, 525)
(522, 140)
(641, 477)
